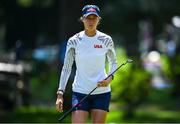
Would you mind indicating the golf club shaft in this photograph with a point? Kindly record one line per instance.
(70, 110)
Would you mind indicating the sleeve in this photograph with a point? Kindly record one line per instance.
(67, 67)
(111, 55)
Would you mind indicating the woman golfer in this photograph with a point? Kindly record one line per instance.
(89, 49)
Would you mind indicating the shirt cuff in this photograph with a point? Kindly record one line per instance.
(61, 92)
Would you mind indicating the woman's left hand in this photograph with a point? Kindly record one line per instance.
(104, 83)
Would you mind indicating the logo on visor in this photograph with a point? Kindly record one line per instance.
(91, 10)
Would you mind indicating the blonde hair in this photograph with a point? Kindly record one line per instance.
(81, 18)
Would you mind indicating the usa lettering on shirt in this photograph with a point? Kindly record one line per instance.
(97, 46)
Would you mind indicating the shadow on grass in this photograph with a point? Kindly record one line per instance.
(33, 115)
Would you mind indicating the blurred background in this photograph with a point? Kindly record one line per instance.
(33, 36)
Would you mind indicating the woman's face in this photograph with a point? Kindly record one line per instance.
(90, 22)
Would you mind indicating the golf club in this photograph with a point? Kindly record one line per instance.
(70, 110)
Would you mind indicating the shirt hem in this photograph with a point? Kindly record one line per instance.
(93, 93)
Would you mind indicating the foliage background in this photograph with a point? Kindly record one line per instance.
(33, 33)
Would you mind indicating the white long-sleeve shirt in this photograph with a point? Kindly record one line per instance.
(90, 54)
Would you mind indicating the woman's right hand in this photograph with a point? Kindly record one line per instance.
(59, 103)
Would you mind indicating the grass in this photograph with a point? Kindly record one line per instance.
(160, 116)
(161, 108)
(146, 116)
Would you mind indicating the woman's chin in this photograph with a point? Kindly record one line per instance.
(91, 28)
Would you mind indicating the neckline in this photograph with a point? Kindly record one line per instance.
(90, 36)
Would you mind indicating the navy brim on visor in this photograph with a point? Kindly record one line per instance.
(91, 13)
(90, 9)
